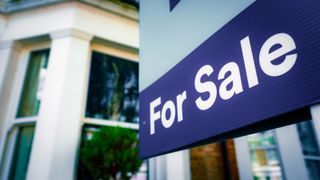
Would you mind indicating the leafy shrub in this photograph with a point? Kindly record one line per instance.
(111, 153)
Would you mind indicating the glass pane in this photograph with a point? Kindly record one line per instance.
(21, 153)
(113, 89)
(264, 156)
(313, 167)
(33, 84)
(308, 138)
(110, 153)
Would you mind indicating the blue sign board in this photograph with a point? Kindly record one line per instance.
(262, 64)
(173, 4)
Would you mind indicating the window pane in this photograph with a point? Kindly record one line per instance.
(33, 84)
(113, 89)
(310, 148)
(21, 153)
(264, 156)
(308, 138)
(313, 167)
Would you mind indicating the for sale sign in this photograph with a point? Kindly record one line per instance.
(261, 64)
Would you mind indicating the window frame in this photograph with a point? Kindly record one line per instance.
(313, 158)
(13, 123)
(274, 147)
(107, 49)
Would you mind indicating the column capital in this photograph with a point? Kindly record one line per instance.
(11, 44)
(71, 33)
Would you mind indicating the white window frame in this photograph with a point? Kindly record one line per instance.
(13, 122)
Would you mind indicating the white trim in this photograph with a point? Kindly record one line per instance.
(21, 74)
(71, 33)
(109, 49)
(24, 120)
(110, 123)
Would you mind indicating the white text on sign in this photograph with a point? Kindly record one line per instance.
(228, 74)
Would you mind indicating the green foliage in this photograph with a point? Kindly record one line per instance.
(110, 153)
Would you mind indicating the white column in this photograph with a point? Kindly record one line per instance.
(173, 166)
(315, 113)
(178, 165)
(290, 151)
(9, 58)
(243, 158)
(5, 53)
(157, 168)
(9, 51)
(58, 129)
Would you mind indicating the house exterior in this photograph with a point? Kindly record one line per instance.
(46, 50)
(68, 67)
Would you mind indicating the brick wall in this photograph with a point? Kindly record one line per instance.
(214, 161)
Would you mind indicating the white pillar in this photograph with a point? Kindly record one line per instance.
(5, 53)
(243, 158)
(9, 58)
(157, 168)
(173, 166)
(9, 51)
(58, 128)
(315, 113)
(290, 151)
(178, 165)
